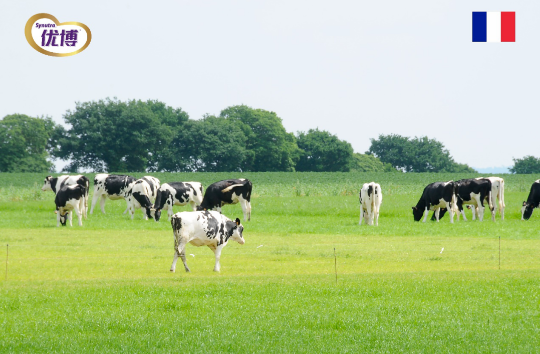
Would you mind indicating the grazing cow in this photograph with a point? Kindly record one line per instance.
(230, 191)
(203, 228)
(110, 186)
(177, 193)
(142, 194)
(68, 199)
(474, 192)
(56, 183)
(497, 191)
(533, 201)
(370, 203)
(435, 196)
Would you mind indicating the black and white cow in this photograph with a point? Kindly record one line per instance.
(370, 203)
(474, 192)
(70, 198)
(141, 194)
(177, 193)
(56, 183)
(109, 186)
(497, 192)
(230, 191)
(435, 196)
(533, 201)
(203, 228)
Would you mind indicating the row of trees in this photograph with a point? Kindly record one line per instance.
(112, 135)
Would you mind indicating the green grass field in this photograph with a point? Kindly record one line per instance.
(106, 287)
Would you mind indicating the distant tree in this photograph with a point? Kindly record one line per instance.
(323, 151)
(415, 154)
(526, 165)
(369, 163)
(116, 136)
(24, 143)
(211, 144)
(268, 146)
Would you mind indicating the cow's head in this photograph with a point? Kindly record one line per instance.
(47, 184)
(155, 213)
(417, 213)
(63, 217)
(237, 231)
(526, 211)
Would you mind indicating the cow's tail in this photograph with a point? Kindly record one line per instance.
(176, 223)
(231, 187)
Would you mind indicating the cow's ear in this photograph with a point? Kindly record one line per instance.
(413, 208)
(237, 221)
(524, 203)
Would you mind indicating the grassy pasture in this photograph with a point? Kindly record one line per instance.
(106, 287)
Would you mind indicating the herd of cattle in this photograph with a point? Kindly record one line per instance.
(442, 197)
(206, 226)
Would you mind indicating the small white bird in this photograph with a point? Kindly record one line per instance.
(442, 250)
(260, 246)
(191, 254)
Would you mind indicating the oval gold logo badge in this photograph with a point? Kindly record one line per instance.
(50, 37)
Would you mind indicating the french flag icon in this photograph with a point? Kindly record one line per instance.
(494, 26)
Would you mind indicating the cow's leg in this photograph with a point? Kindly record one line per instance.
(179, 250)
(131, 209)
(437, 213)
(70, 217)
(361, 215)
(463, 214)
(58, 218)
(78, 209)
(85, 207)
(249, 210)
(243, 203)
(376, 213)
(217, 253)
(369, 216)
(170, 211)
(193, 205)
(94, 201)
(426, 212)
(102, 203)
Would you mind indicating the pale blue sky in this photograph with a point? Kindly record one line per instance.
(355, 68)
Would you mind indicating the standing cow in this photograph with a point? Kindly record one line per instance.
(370, 203)
(56, 183)
(203, 228)
(109, 186)
(435, 196)
(141, 194)
(68, 199)
(474, 192)
(177, 193)
(497, 192)
(230, 191)
(533, 201)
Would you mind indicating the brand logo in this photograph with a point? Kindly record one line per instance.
(50, 37)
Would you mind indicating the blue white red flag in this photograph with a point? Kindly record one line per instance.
(494, 26)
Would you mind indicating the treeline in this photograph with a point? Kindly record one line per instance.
(137, 136)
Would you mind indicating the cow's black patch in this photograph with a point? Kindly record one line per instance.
(117, 184)
(213, 225)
